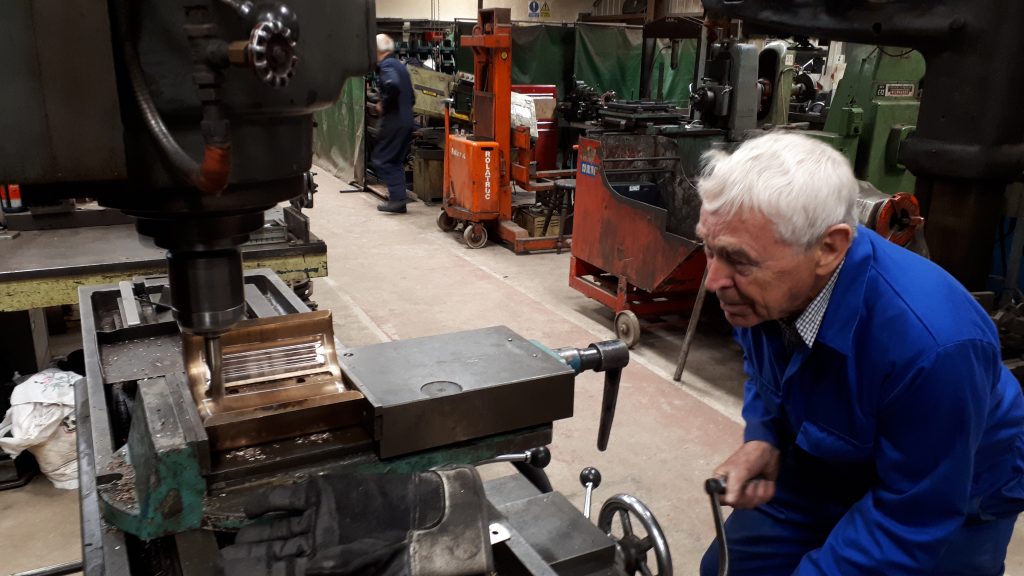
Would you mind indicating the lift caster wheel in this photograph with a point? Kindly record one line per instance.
(627, 327)
(445, 222)
(632, 545)
(475, 235)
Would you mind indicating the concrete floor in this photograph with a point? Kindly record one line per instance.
(400, 277)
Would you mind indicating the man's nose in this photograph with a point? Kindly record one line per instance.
(719, 276)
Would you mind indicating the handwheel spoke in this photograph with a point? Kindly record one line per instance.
(646, 544)
(643, 567)
(627, 525)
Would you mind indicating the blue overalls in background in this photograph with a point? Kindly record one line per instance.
(394, 132)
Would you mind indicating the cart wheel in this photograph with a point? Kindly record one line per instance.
(631, 544)
(627, 327)
(475, 235)
(445, 222)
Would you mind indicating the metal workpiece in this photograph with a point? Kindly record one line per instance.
(275, 378)
(129, 308)
(437, 390)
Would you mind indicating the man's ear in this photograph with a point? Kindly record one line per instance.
(832, 247)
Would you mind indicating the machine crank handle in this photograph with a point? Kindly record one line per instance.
(530, 464)
(538, 457)
(609, 357)
(590, 478)
(715, 487)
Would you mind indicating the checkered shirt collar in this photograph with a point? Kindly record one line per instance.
(809, 321)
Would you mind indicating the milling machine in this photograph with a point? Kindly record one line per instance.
(207, 386)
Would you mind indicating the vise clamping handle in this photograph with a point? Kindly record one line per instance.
(612, 377)
(609, 357)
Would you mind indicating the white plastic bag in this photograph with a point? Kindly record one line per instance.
(42, 420)
(524, 112)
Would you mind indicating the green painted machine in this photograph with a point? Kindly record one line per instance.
(873, 111)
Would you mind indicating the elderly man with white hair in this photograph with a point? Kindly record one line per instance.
(883, 433)
(394, 131)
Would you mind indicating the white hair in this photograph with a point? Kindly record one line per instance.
(385, 43)
(801, 184)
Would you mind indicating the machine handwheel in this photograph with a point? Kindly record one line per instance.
(632, 545)
(445, 222)
(475, 235)
(627, 327)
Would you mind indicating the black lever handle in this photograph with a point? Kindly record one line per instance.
(609, 357)
(539, 457)
(614, 355)
(608, 401)
(590, 478)
(715, 487)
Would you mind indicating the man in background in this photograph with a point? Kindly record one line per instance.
(395, 126)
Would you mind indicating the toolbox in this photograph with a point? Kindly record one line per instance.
(533, 221)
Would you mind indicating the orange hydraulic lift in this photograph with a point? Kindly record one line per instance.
(480, 167)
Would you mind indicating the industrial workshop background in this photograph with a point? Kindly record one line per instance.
(605, 56)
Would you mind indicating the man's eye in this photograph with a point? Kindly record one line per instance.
(732, 260)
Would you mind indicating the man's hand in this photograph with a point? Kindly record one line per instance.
(379, 107)
(750, 475)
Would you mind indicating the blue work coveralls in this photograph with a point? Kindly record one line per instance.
(394, 131)
(901, 432)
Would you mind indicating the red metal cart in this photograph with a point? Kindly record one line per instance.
(637, 255)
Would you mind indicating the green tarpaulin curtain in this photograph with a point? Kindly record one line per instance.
(676, 82)
(605, 57)
(338, 136)
(608, 58)
(543, 54)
